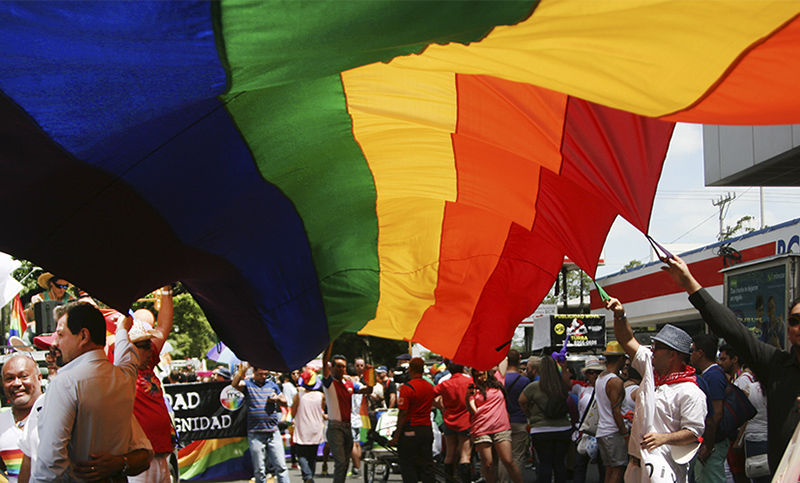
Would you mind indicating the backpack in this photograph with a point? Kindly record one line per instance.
(556, 407)
(736, 410)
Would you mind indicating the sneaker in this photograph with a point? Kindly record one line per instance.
(294, 466)
(324, 469)
(356, 472)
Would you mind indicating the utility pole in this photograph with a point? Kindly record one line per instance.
(722, 203)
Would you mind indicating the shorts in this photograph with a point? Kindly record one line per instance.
(451, 432)
(613, 450)
(494, 437)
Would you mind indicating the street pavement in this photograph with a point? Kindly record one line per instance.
(528, 475)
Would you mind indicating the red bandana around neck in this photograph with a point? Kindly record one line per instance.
(686, 375)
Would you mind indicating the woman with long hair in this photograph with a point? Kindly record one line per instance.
(545, 403)
(490, 428)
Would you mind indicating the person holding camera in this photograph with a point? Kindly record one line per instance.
(263, 397)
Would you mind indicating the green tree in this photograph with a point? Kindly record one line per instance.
(192, 335)
(23, 275)
(574, 278)
(741, 227)
(632, 264)
(375, 350)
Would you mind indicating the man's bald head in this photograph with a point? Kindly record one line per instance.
(22, 381)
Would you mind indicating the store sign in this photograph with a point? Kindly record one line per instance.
(207, 410)
(584, 331)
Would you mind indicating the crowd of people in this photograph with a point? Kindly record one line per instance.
(639, 413)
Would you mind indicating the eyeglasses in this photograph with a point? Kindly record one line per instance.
(145, 346)
(658, 346)
(61, 286)
(592, 373)
(793, 320)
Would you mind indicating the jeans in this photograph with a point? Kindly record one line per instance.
(416, 454)
(340, 442)
(307, 458)
(268, 445)
(551, 448)
(582, 461)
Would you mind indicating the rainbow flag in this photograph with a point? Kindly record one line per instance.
(18, 322)
(13, 460)
(409, 170)
(222, 459)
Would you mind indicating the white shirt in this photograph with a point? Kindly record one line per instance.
(665, 409)
(605, 423)
(88, 409)
(756, 429)
(29, 441)
(9, 444)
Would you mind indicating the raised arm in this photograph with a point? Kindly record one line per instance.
(126, 357)
(238, 377)
(622, 329)
(165, 315)
(679, 271)
(722, 320)
(326, 371)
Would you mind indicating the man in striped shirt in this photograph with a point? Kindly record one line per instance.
(338, 396)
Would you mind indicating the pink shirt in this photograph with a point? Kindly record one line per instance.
(491, 416)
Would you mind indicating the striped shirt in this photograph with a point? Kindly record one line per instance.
(259, 419)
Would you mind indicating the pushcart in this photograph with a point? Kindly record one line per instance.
(382, 460)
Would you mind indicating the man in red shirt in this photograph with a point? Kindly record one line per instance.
(149, 407)
(414, 435)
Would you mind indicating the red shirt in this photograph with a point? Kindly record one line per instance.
(453, 392)
(416, 396)
(150, 409)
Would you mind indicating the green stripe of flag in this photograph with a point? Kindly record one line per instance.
(277, 42)
(301, 139)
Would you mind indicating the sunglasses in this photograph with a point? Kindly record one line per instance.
(793, 320)
(658, 346)
(61, 286)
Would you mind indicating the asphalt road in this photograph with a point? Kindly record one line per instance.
(528, 475)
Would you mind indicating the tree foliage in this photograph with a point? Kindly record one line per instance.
(740, 228)
(573, 288)
(375, 350)
(632, 264)
(192, 335)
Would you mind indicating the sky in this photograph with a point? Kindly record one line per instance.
(683, 213)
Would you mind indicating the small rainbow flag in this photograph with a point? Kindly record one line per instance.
(18, 321)
(13, 460)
